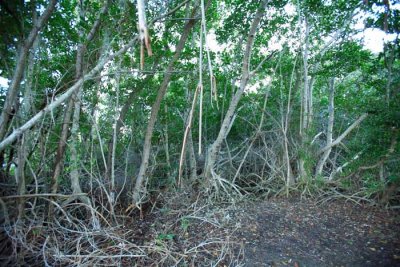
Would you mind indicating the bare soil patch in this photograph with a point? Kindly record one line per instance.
(276, 233)
(291, 233)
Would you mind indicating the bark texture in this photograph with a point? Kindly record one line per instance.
(13, 90)
(155, 109)
(228, 119)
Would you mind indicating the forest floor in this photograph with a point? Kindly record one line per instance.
(276, 232)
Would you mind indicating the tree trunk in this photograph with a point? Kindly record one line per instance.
(20, 173)
(73, 110)
(192, 158)
(155, 109)
(13, 90)
(62, 143)
(329, 134)
(166, 143)
(344, 134)
(187, 133)
(389, 67)
(224, 130)
(25, 112)
(290, 179)
(66, 95)
(305, 103)
(121, 118)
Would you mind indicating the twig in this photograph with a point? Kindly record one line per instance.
(42, 195)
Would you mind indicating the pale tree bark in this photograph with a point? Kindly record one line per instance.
(344, 134)
(192, 158)
(166, 143)
(389, 59)
(74, 175)
(74, 105)
(143, 31)
(191, 151)
(62, 143)
(122, 115)
(306, 93)
(290, 179)
(13, 89)
(306, 117)
(20, 174)
(137, 191)
(329, 133)
(224, 130)
(66, 95)
(305, 101)
(187, 133)
(114, 138)
(310, 101)
(76, 100)
(71, 90)
(25, 111)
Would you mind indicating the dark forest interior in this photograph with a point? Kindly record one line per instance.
(199, 133)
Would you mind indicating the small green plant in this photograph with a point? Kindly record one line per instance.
(36, 231)
(345, 184)
(372, 185)
(165, 210)
(162, 237)
(185, 223)
(320, 181)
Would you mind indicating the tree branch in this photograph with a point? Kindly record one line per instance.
(344, 134)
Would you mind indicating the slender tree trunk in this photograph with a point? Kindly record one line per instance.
(21, 183)
(187, 133)
(155, 109)
(344, 134)
(62, 143)
(329, 134)
(25, 112)
(13, 90)
(290, 179)
(224, 130)
(305, 103)
(122, 115)
(192, 158)
(166, 143)
(306, 96)
(75, 162)
(66, 95)
(73, 108)
(389, 67)
(76, 100)
(311, 101)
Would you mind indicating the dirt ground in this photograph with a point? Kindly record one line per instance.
(283, 233)
(274, 233)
